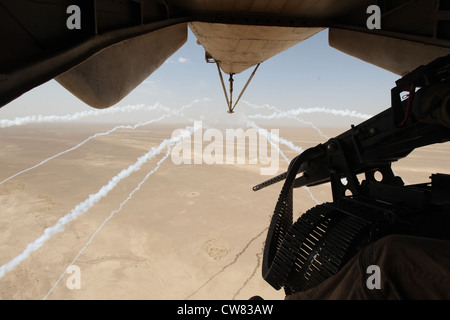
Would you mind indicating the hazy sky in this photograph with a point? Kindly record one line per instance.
(311, 74)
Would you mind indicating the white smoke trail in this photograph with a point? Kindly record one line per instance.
(264, 106)
(75, 116)
(94, 198)
(312, 125)
(269, 136)
(278, 111)
(109, 218)
(84, 142)
(295, 112)
(179, 112)
(90, 113)
(287, 143)
(170, 112)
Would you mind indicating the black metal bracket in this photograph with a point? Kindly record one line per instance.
(372, 146)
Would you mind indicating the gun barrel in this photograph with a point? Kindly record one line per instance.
(271, 181)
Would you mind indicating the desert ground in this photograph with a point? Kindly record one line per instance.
(190, 232)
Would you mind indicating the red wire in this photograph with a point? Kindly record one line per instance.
(412, 90)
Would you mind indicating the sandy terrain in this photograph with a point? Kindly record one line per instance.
(190, 232)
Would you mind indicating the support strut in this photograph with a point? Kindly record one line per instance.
(223, 86)
(231, 80)
(229, 99)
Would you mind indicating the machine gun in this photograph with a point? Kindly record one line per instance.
(299, 256)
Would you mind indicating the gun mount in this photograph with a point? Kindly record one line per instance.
(300, 255)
